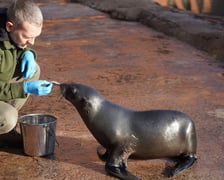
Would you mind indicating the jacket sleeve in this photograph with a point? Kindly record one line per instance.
(11, 90)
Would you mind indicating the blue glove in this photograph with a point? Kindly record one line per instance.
(28, 66)
(38, 87)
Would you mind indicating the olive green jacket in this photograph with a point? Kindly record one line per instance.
(10, 62)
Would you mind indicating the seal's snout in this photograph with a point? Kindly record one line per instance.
(63, 88)
(68, 91)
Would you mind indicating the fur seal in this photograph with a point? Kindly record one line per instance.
(126, 133)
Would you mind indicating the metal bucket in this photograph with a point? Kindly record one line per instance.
(38, 132)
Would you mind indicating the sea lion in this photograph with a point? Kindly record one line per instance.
(127, 133)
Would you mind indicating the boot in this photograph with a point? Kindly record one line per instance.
(11, 139)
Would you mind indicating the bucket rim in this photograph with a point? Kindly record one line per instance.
(36, 114)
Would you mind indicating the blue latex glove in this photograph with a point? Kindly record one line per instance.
(38, 87)
(28, 66)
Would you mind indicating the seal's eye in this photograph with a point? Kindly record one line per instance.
(84, 101)
(85, 105)
(74, 91)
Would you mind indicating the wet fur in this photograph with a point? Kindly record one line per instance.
(126, 133)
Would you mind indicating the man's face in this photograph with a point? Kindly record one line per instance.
(24, 34)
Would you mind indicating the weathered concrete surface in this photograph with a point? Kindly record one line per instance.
(132, 65)
(203, 32)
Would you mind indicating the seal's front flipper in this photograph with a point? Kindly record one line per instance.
(184, 163)
(102, 153)
(119, 172)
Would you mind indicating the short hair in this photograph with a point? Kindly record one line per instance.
(24, 10)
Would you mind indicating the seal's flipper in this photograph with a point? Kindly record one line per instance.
(102, 155)
(184, 163)
(119, 172)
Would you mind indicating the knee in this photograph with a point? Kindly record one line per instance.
(8, 118)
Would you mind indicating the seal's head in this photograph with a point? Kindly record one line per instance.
(84, 98)
(69, 91)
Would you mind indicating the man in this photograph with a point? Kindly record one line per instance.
(20, 25)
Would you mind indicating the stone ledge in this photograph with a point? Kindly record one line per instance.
(201, 31)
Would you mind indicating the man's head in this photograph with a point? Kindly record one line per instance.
(24, 22)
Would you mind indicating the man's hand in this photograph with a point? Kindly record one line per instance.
(28, 66)
(38, 87)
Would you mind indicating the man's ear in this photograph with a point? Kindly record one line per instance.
(9, 26)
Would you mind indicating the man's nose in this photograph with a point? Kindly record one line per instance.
(31, 41)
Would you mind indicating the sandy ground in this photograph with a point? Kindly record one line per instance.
(132, 65)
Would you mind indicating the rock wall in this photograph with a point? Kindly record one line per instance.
(212, 7)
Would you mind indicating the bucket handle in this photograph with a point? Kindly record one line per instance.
(51, 133)
(24, 129)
